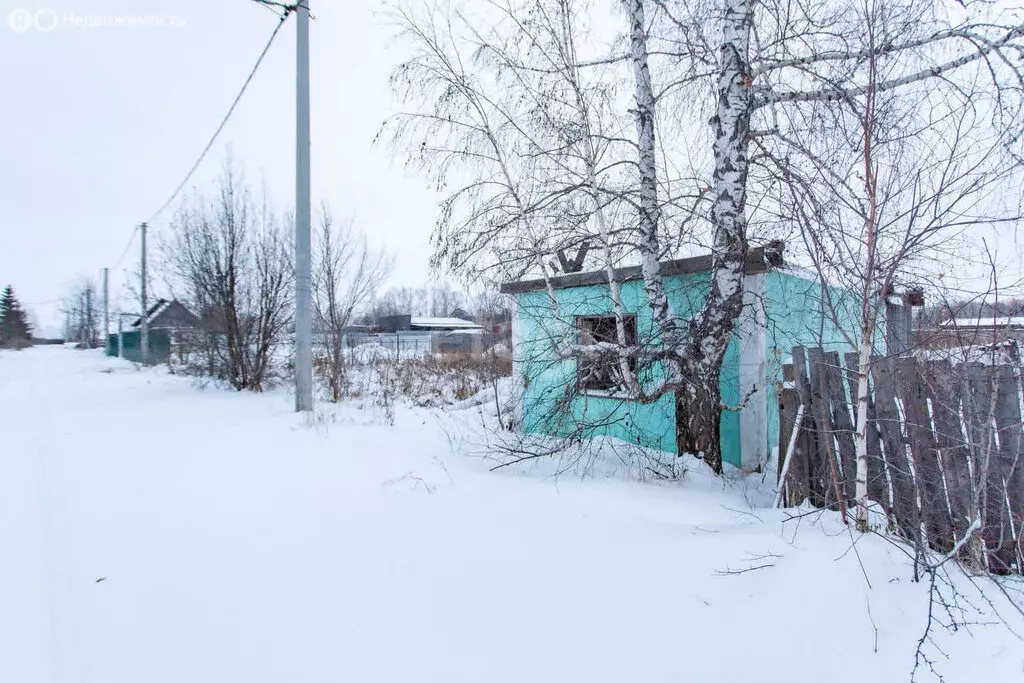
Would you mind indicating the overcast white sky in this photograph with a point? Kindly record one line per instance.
(101, 124)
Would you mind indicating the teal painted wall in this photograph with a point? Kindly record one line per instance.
(801, 312)
(551, 404)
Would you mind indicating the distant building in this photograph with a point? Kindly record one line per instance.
(169, 315)
(173, 330)
(409, 323)
(974, 331)
(439, 335)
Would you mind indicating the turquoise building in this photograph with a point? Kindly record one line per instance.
(783, 307)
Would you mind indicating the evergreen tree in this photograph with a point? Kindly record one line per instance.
(14, 327)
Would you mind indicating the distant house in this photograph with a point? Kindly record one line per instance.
(173, 330)
(169, 315)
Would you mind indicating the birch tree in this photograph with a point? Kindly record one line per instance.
(887, 165)
(346, 273)
(755, 69)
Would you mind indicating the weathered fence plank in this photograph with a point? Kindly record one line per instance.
(809, 437)
(1008, 433)
(878, 486)
(827, 464)
(842, 424)
(944, 386)
(980, 419)
(904, 498)
(927, 475)
(797, 477)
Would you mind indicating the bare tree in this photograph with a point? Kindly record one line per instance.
(886, 180)
(81, 314)
(232, 263)
(346, 273)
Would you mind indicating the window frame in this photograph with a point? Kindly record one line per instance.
(610, 390)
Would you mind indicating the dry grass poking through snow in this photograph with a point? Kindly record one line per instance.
(431, 381)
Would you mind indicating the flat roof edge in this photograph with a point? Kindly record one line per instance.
(756, 263)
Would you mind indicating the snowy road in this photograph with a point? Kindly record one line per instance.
(153, 532)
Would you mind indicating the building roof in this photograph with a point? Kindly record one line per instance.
(759, 260)
(982, 321)
(444, 324)
(163, 307)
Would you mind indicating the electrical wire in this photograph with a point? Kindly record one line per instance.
(270, 4)
(287, 10)
(131, 240)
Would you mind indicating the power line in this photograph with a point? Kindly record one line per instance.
(271, 4)
(131, 240)
(287, 10)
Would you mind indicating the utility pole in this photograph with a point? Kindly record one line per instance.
(303, 267)
(87, 318)
(106, 307)
(143, 322)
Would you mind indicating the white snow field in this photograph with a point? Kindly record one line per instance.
(153, 532)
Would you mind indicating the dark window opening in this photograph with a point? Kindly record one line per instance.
(601, 371)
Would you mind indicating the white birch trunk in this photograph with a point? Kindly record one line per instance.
(650, 248)
(729, 184)
(698, 409)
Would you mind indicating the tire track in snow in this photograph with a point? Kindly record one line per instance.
(25, 609)
(60, 605)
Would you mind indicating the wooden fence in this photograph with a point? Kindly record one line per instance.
(943, 443)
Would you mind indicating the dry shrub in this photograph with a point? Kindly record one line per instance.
(431, 381)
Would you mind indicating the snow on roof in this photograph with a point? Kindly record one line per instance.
(156, 309)
(467, 330)
(982, 321)
(445, 323)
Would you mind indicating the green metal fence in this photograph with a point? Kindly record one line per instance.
(159, 346)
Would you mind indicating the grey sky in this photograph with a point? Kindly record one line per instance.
(101, 124)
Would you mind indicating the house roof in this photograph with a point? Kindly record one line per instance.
(156, 309)
(976, 322)
(162, 307)
(444, 324)
(759, 260)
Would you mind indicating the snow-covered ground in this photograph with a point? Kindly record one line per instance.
(154, 532)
